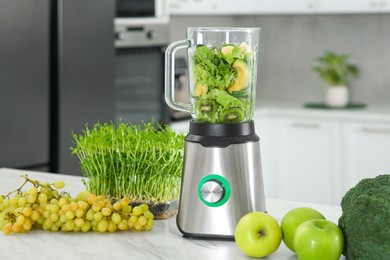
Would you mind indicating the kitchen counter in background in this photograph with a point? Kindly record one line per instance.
(369, 112)
(316, 155)
(164, 241)
(271, 109)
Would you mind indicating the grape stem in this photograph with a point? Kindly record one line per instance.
(26, 180)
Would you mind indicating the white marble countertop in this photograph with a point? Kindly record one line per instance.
(164, 241)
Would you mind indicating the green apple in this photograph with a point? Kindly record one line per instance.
(293, 219)
(318, 239)
(258, 234)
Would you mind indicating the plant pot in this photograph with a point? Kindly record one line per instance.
(161, 210)
(337, 96)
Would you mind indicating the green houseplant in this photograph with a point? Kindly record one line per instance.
(336, 71)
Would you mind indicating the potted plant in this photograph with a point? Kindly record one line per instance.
(336, 71)
(142, 162)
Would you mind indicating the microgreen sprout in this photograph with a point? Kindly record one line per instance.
(143, 162)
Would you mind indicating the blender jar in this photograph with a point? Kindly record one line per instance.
(222, 66)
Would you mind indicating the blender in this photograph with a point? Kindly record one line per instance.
(222, 176)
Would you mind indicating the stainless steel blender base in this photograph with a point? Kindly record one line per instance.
(219, 186)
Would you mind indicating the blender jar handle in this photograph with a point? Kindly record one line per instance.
(170, 76)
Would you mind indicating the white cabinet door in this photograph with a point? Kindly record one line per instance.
(307, 163)
(367, 151)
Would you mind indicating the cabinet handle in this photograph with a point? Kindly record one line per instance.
(376, 130)
(305, 125)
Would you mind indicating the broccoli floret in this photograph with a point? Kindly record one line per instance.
(365, 219)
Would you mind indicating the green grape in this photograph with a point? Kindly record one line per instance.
(79, 222)
(125, 201)
(96, 207)
(83, 196)
(54, 217)
(100, 197)
(123, 225)
(116, 218)
(27, 225)
(70, 215)
(54, 193)
(91, 199)
(16, 227)
(1, 198)
(68, 226)
(97, 216)
(44, 190)
(20, 219)
(47, 224)
(65, 208)
(149, 225)
(137, 211)
(46, 214)
(41, 220)
(149, 215)
(27, 211)
(126, 210)
(79, 213)
(62, 202)
(18, 210)
(86, 227)
(83, 205)
(35, 215)
(59, 184)
(54, 228)
(102, 225)
(132, 220)
(73, 206)
(117, 206)
(142, 220)
(112, 227)
(106, 211)
(13, 201)
(7, 228)
(54, 208)
(31, 198)
(33, 190)
(42, 197)
(63, 218)
(89, 215)
(138, 227)
(144, 207)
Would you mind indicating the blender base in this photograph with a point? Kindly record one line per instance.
(219, 186)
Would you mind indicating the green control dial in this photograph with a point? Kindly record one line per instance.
(214, 190)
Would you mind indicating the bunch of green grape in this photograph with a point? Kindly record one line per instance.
(44, 207)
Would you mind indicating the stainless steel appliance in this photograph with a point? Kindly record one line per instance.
(222, 176)
(56, 75)
(141, 36)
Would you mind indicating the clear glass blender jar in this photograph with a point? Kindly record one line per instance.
(222, 64)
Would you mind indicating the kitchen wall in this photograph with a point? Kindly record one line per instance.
(290, 43)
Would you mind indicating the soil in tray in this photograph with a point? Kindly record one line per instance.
(161, 210)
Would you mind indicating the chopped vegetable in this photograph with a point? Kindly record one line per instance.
(222, 76)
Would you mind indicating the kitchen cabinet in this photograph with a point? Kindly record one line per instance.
(367, 150)
(317, 156)
(301, 157)
(231, 7)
